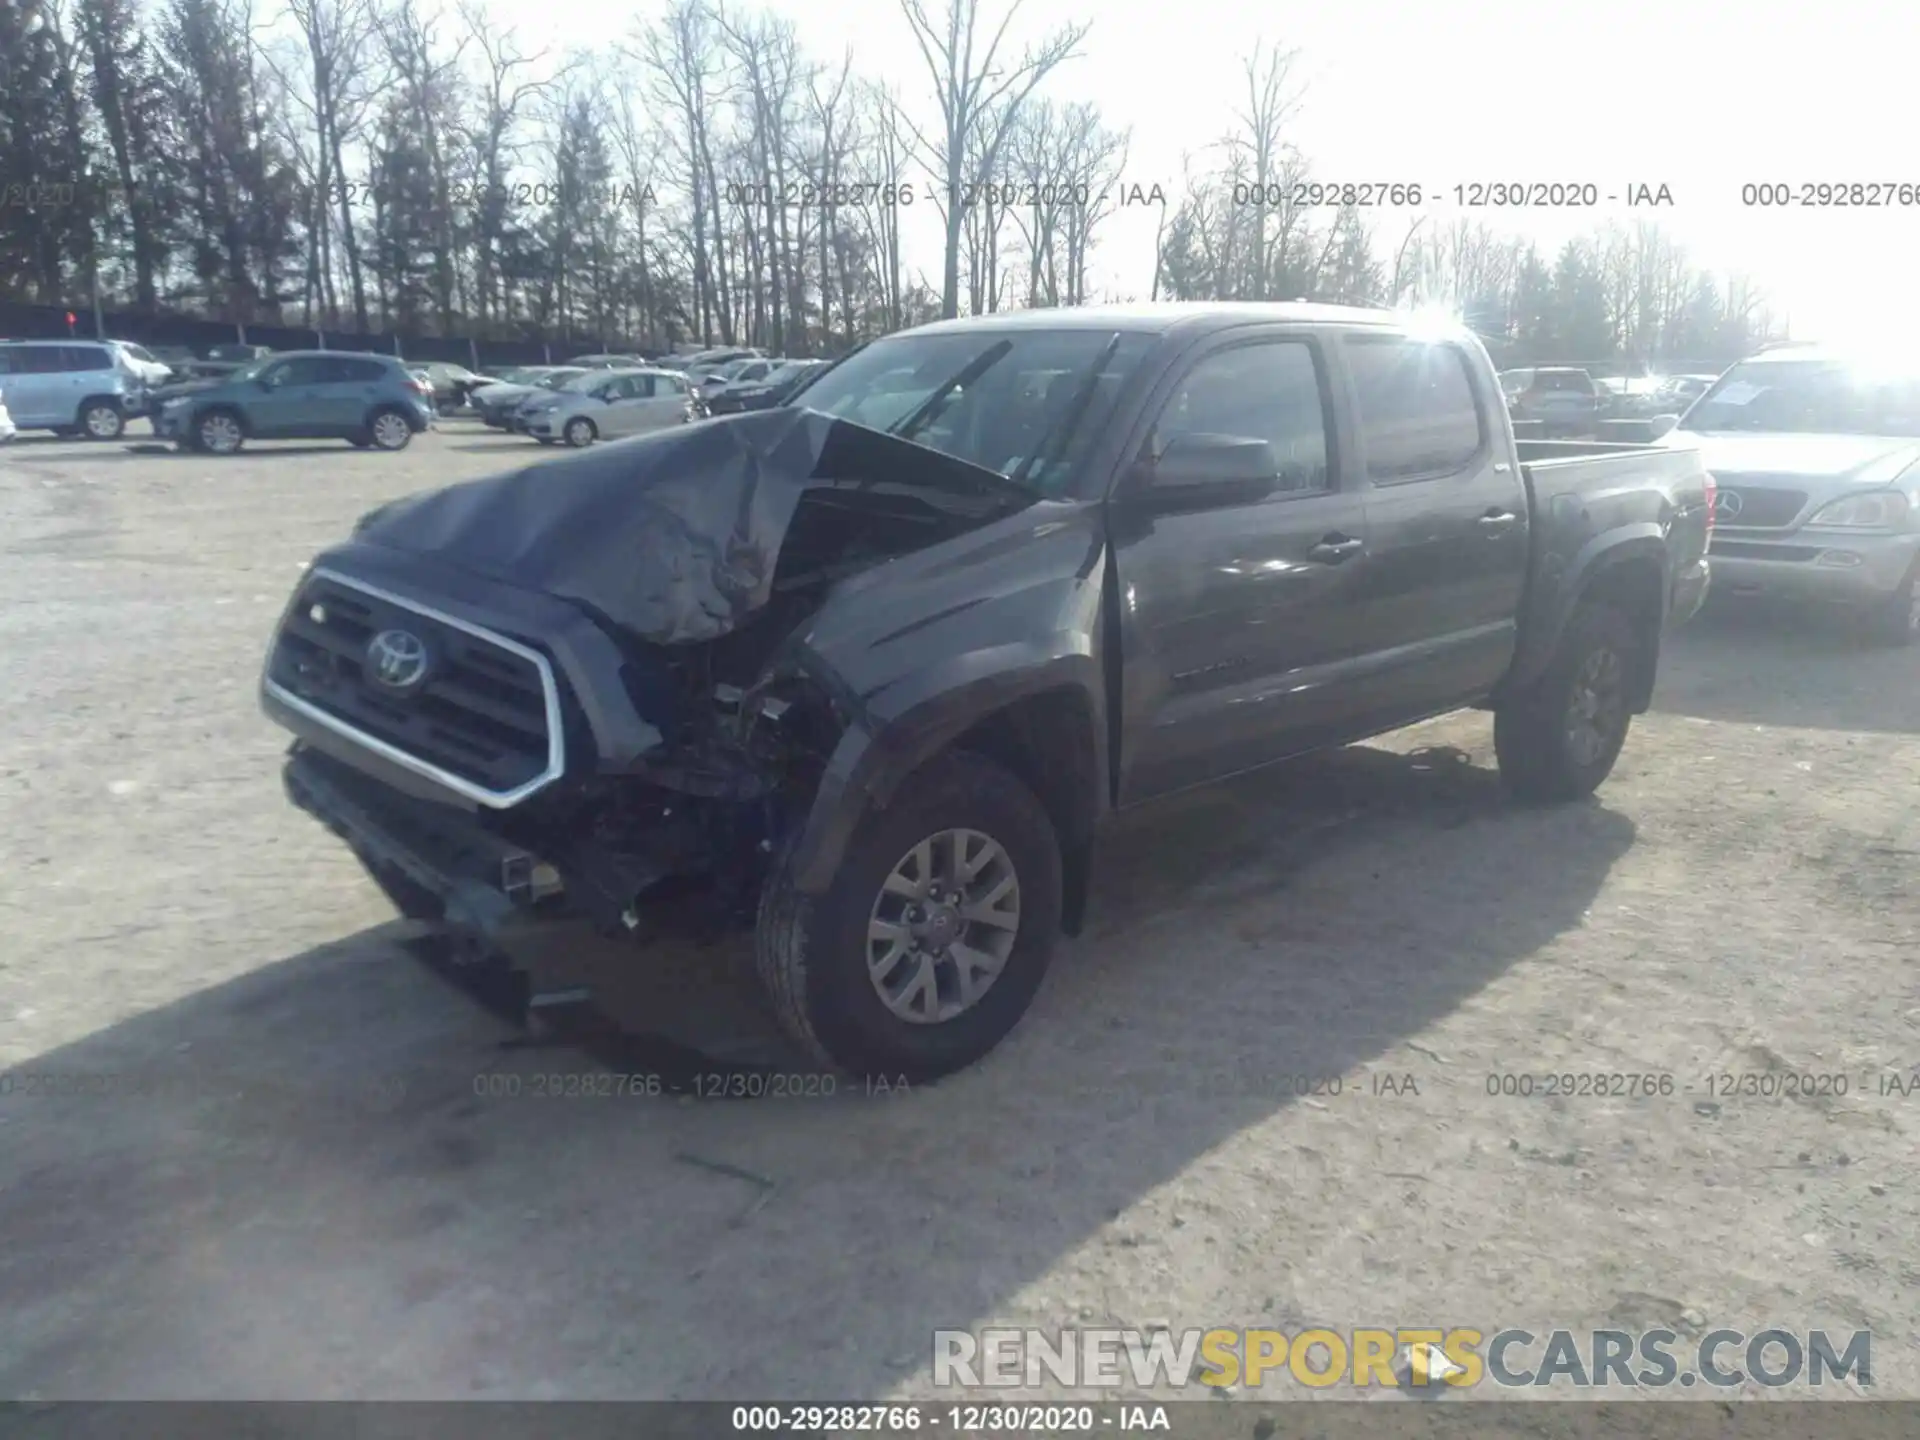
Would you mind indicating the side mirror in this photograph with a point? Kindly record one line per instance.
(1203, 470)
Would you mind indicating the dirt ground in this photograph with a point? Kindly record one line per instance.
(300, 1175)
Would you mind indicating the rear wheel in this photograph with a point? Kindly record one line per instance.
(935, 934)
(1895, 621)
(102, 420)
(580, 432)
(390, 431)
(218, 432)
(1560, 738)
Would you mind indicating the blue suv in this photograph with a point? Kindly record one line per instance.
(371, 401)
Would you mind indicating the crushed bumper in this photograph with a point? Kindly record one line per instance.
(434, 860)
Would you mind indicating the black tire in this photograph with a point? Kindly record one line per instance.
(811, 951)
(389, 429)
(1895, 622)
(212, 438)
(102, 419)
(581, 432)
(1539, 758)
(360, 442)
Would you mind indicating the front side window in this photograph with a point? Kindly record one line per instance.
(1269, 391)
(1418, 416)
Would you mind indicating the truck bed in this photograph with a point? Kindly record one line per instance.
(1595, 467)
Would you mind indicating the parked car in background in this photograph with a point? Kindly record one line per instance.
(223, 360)
(1627, 397)
(71, 387)
(736, 372)
(451, 383)
(1680, 391)
(1817, 458)
(539, 393)
(7, 429)
(775, 388)
(370, 401)
(701, 366)
(875, 691)
(1563, 401)
(494, 404)
(610, 405)
(177, 358)
(607, 362)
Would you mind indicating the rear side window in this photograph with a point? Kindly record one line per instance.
(86, 357)
(358, 372)
(38, 360)
(1418, 416)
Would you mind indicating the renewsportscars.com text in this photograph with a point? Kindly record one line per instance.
(1458, 1357)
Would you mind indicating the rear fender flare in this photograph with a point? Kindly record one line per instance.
(1602, 555)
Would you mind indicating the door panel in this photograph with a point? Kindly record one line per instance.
(1448, 526)
(1238, 631)
(346, 391)
(284, 409)
(625, 410)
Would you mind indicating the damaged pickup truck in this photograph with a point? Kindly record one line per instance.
(868, 672)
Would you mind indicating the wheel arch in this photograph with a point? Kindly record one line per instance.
(1045, 726)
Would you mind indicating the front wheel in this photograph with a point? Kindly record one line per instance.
(934, 935)
(1560, 738)
(580, 432)
(218, 433)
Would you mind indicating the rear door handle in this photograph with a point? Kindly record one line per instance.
(1335, 549)
(1495, 522)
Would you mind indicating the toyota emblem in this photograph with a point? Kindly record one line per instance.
(397, 659)
(1727, 504)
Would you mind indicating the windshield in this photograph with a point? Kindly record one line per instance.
(580, 383)
(999, 399)
(1811, 397)
(559, 378)
(252, 371)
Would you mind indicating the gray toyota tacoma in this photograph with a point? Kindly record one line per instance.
(866, 673)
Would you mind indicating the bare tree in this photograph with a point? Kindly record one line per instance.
(428, 80)
(687, 66)
(507, 83)
(979, 97)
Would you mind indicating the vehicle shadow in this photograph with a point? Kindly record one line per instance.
(335, 1176)
(1756, 663)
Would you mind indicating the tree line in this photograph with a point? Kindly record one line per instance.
(407, 167)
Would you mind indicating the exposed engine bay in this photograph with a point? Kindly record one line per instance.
(702, 556)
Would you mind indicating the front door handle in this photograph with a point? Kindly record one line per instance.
(1497, 522)
(1335, 549)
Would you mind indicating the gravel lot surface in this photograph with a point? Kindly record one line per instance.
(291, 1179)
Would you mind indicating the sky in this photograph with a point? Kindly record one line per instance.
(1700, 97)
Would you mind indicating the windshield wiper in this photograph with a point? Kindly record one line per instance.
(1061, 431)
(929, 410)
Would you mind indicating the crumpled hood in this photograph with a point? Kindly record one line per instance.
(1857, 459)
(675, 536)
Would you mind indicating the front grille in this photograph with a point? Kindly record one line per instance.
(481, 719)
(1761, 506)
